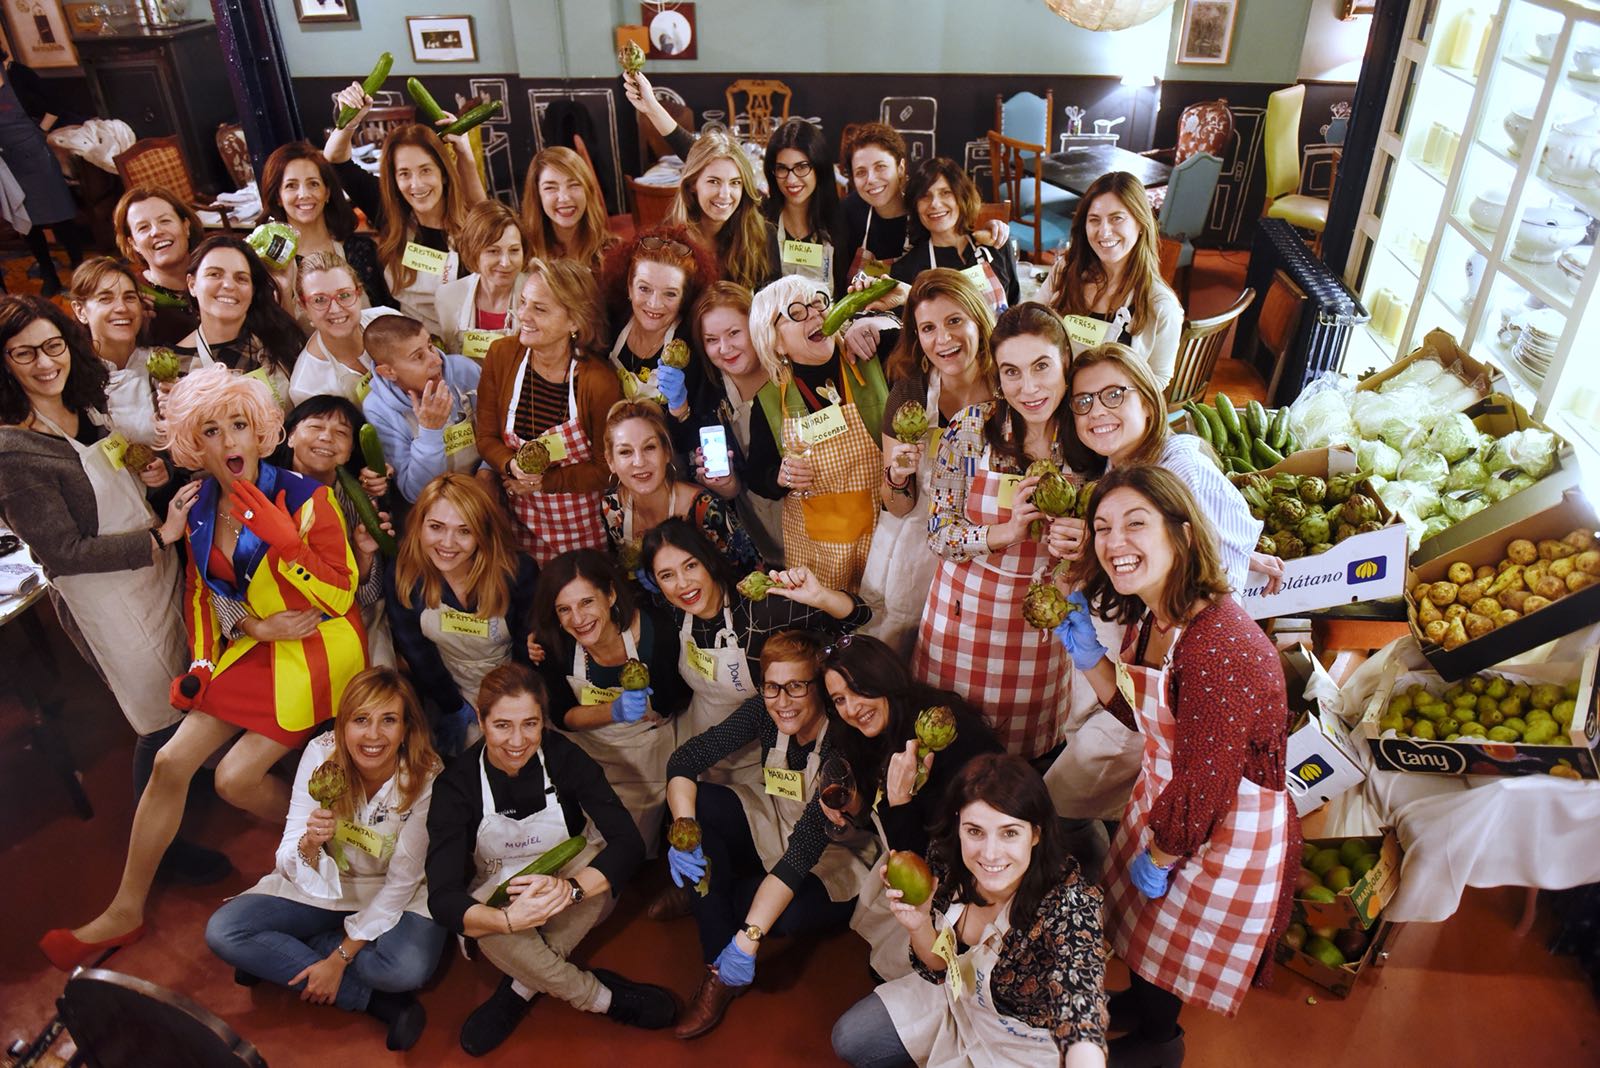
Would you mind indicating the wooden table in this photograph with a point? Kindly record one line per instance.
(1077, 168)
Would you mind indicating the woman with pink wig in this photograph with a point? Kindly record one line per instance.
(274, 633)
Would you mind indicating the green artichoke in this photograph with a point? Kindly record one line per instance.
(327, 784)
(910, 423)
(1043, 606)
(533, 457)
(1318, 549)
(631, 56)
(1267, 545)
(1313, 489)
(756, 585)
(1359, 508)
(138, 457)
(936, 728)
(629, 555)
(676, 354)
(163, 366)
(1285, 483)
(1085, 499)
(1287, 510)
(635, 675)
(684, 834)
(1341, 486)
(1290, 547)
(1054, 496)
(1312, 530)
(1371, 526)
(1342, 531)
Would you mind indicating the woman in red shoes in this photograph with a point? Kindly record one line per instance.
(274, 632)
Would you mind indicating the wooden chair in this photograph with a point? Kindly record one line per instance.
(377, 123)
(1041, 214)
(1025, 117)
(120, 1021)
(989, 212)
(235, 154)
(1198, 347)
(758, 106)
(159, 161)
(651, 203)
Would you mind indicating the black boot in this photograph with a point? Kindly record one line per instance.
(492, 1022)
(404, 1015)
(1139, 1051)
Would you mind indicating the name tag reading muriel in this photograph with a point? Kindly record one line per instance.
(821, 426)
(453, 622)
(424, 259)
(802, 253)
(458, 437)
(1085, 331)
(781, 782)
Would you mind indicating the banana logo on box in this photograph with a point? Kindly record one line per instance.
(1369, 570)
(1311, 770)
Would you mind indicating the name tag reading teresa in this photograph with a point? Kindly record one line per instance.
(453, 622)
(781, 782)
(598, 695)
(1085, 331)
(944, 947)
(702, 662)
(475, 343)
(1008, 490)
(458, 437)
(822, 426)
(365, 839)
(555, 445)
(424, 259)
(115, 446)
(802, 253)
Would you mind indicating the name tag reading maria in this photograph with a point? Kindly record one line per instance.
(115, 446)
(1085, 331)
(453, 622)
(802, 253)
(598, 695)
(458, 437)
(475, 343)
(424, 259)
(781, 782)
(703, 663)
(821, 426)
(1008, 491)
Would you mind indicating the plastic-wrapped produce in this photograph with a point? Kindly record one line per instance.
(1410, 499)
(1453, 437)
(1378, 457)
(1420, 373)
(1320, 416)
(1392, 416)
(1467, 474)
(1506, 481)
(1462, 503)
(1533, 450)
(1436, 525)
(1423, 465)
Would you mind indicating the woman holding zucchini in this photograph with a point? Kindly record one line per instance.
(563, 210)
(242, 325)
(478, 310)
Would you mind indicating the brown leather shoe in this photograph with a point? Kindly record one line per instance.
(710, 1001)
(671, 904)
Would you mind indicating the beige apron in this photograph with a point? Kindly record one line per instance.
(129, 619)
(887, 940)
(900, 566)
(722, 681)
(420, 299)
(130, 399)
(470, 647)
(638, 386)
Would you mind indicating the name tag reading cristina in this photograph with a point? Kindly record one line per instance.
(424, 259)
(701, 661)
(823, 425)
(453, 622)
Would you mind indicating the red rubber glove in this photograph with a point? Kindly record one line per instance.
(270, 522)
(197, 679)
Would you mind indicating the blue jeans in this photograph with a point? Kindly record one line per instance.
(276, 939)
(864, 1037)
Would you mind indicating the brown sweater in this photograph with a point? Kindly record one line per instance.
(597, 390)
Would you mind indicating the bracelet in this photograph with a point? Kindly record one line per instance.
(339, 949)
(888, 477)
(507, 914)
(161, 543)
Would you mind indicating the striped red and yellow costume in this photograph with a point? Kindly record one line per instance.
(279, 689)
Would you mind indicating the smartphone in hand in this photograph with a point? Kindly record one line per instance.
(714, 451)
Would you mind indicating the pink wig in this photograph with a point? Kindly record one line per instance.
(215, 392)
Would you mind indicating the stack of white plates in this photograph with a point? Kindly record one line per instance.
(1574, 262)
(1536, 343)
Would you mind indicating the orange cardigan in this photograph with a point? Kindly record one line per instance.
(597, 390)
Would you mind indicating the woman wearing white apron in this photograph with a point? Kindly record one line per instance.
(1209, 834)
(506, 802)
(765, 850)
(114, 576)
(944, 233)
(943, 363)
(1009, 959)
(478, 310)
(877, 703)
(720, 321)
(543, 385)
(803, 205)
(459, 599)
(343, 917)
(591, 628)
(242, 325)
(334, 361)
(105, 299)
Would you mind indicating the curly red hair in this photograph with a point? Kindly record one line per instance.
(616, 269)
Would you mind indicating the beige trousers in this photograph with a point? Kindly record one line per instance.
(538, 958)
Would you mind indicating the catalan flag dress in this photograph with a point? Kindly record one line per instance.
(278, 689)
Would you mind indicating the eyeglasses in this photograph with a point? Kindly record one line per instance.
(800, 310)
(838, 647)
(345, 298)
(793, 688)
(799, 170)
(1111, 397)
(26, 354)
(656, 244)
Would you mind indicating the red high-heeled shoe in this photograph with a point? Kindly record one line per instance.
(67, 952)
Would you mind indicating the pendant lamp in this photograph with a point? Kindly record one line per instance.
(1107, 14)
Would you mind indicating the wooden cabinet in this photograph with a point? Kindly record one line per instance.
(165, 80)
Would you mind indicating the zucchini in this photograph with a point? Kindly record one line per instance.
(1278, 431)
(1242, 465)
(851, 304)
(162, 298)
(1230, 416)
(1219, 433)
(547, 863)
(1239, 445)
(1255, 419)
(1202, 425)
(474, 117)
(374, 82)
(432, 113)
(367, 513)
(1265, 455)
(372, 450)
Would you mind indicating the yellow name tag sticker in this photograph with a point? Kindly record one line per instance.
(260, 375)
(555, 445)
(944, 947)
(822, 426)
(365, 839)
(1085, 331)
(781, 782)
(475, 343)
(458, 437)
(701, 661)
(453, 622)
(978, 277)
(115, 446)
(1008, 490)
(802, 253)
(1125, 684)
(363, 387)
(598, 695)
(424, 259)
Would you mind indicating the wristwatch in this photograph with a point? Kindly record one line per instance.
(752, 932)
(577, 891)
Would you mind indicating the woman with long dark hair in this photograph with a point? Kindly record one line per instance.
(803, 206)
(944, 233)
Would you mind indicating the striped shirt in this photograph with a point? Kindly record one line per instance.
(1236, 530)
(543, 405)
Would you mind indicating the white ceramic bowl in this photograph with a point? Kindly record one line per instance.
(1569, 151)
(1487, 208)
(1517, 124)
(1547, 232)
(1587, 60)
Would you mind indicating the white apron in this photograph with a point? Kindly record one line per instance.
(888, 942)
(420, 299)
(130, 399)
(633, 755)
(900, 566)
(470, 647)
(762, 517)
(129, 619)
(638, 386)
(772, 819)
(939, 1029)
(505, 846)
(808, 259)
(317, 373)
(458, 317)
(722, 681)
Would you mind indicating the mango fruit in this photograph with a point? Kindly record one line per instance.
(908, 873)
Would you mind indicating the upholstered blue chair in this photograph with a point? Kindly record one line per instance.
(1187, 206)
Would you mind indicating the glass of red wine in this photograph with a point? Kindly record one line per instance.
(836, 788)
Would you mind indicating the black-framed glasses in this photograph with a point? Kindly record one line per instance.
(345, 298)
(792, 688)
(26, 354)
(800, 310)
(652, 243)
(1110, 398)
(799, 170)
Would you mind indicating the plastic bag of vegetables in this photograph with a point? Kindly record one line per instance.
(1423, 465)
(1320, 416)
(1462, 503)
(1467, 474)
(1506, 481)
(1533, 450)
(1410, 499)
(1379, 457)
(1453, 437)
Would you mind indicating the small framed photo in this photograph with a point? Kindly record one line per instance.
(1207, 31)
(325, 10)
(442, 38)
(40, 34)
(671, 27)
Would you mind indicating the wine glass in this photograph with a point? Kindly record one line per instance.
(836, 788)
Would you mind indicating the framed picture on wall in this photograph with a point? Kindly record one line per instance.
(1207, 35)
(672, 29)
(442, 38)
(39, 34)
(325, 10)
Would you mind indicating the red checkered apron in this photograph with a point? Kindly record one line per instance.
(981, 274)
(1203, 939)
(973, 639)
(550, 524)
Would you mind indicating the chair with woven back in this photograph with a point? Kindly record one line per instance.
(758, 105)
(1198, 348)
(159, 161)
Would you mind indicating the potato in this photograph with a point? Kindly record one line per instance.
(1522, 551)
(1456, 636)
(1581, 540)
(1454, 612)
(1460, 573)
(1436, 631)
(1473, 591)
(1550, 549)
(1478, 625)
(1579, 580)
(1533, 604)
(1513, 599)
(1588, 561)
(1485, 572)
(1506, 616)
(1427, 612)
(1486, 606)
(1443, 593)
(1550, 587)
(1562, 566)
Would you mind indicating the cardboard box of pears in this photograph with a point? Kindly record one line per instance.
(1342, 887)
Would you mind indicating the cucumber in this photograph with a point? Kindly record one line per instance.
(430, 109)
(1202, 425)
(372, 450)
(1255, 419)
(1219, 433)
(1230, 415)
(547, 863)
(374, 82)
(1239, 445)
(367, 513)
(1242, 465)
(162, 298)
(1278, 431)
(474, 117)
(1265, 455)
(851, 303)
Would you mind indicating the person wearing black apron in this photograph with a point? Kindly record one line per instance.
(155, 232)
(942, 231)
(506, 802)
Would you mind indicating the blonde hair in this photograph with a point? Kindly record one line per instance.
(771, 302)
(741, 243)
(418, 762)
(575, 289)
(326, 260)
(397, 214)
(214, 392)
(485, 222)
(593, 232)
(650, 412)
(494, 563)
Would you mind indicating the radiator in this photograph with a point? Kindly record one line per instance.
(1329, 312)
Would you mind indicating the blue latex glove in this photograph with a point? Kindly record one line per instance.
(1148, 876)
(1076, 633)
(735, 967)
(673, 386)
(631, 706)
(643, 575)
(451, 730)
(688, 868)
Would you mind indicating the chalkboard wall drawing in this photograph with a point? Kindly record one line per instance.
(917, 120)
(596, 108)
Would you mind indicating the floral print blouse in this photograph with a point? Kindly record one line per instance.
(715, 517)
